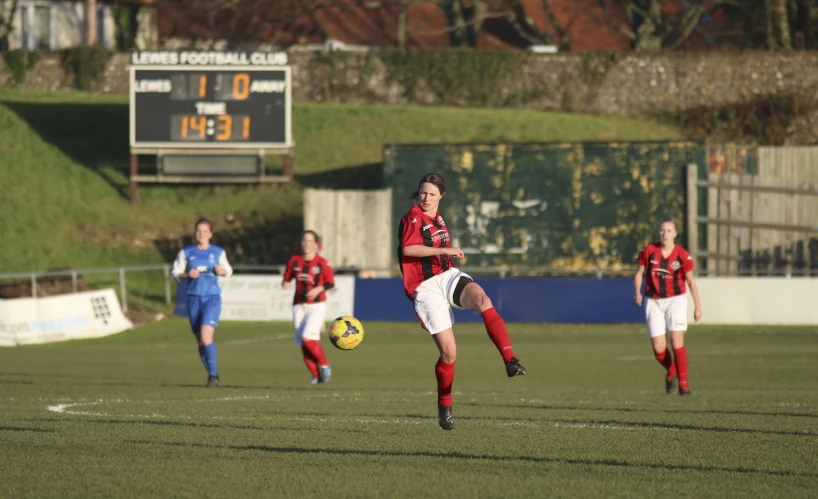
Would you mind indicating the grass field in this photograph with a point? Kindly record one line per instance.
(127, 416)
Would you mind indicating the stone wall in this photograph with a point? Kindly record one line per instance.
(626, 84)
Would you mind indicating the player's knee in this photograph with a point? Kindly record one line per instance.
(448, 351)
(659, 345)
(478, 300)
(677, 340)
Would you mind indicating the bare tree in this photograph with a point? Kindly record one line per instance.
(239, 21)
(649, 28)
(561, 29)
(525, 26)
(251, 21)
(779, 22)
(7, 24)
(403, 8)
(90, 22)
(465, 19)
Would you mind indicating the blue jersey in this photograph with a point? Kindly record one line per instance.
(203, 260)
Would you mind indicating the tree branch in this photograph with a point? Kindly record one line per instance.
(687, 24)
(631, 4)
(7, 26)
(614, 24)
(565, 43)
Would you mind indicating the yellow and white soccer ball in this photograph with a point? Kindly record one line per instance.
(346, 332)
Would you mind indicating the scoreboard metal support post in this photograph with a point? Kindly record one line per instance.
(210, 117)
(134, 173)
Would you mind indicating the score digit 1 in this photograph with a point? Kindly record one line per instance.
(202, 85)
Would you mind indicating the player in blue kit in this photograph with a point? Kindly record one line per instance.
(202, 264)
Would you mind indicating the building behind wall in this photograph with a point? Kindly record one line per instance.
(60, 24)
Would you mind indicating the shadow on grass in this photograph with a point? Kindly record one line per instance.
(16, 382)
(358, 177)
(93, 135)
(667, 411)
(267, 243)
(610, 423)
(617, 463)
(17, 428)
(86, 380)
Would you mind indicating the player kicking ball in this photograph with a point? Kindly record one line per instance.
(202, 264)
(434, 285)
(670, 273)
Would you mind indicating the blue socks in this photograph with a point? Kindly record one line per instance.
(202, 355)
(208, 355)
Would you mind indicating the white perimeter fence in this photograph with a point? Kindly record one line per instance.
(160, 285)
(37, 283)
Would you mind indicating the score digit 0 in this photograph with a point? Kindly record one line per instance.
(241, 86)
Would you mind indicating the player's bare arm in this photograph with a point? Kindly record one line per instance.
(311, 294)
(694, 290)
(219, 270)
(637, 285)
(420, 251)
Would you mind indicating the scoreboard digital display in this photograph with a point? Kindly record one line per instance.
(210, 107)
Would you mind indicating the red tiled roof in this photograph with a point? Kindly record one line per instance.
(353, 22)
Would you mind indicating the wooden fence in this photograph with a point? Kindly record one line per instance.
(355, 226)
(758, 224)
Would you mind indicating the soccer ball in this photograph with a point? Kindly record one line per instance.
(346, 332)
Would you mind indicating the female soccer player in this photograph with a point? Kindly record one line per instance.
(670, 271)
(433, 283)
(202, 264)
(313, 277)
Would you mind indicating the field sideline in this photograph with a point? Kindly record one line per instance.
(127, 416)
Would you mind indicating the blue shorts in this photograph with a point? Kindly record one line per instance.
(204, 311)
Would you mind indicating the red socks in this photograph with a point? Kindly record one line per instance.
(317, 352)
(310, 361)
(496, 327)
(666, 360)
(313, 356)
(444, 372)
(681, 365)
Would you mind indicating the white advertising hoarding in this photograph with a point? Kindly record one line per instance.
(91, 314)
(261, 298)
(757, 301)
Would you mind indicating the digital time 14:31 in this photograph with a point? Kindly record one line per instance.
(212, 120)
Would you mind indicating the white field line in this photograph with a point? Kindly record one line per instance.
(259, 339)
(67, 409)
(72, 409)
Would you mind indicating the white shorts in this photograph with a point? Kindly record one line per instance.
(308, 319)
(666, 314)
(434, 300)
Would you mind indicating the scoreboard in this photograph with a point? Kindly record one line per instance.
(223, 107)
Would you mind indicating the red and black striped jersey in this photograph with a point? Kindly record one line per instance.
(665, 276)
(309, 275)
(419, 229)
